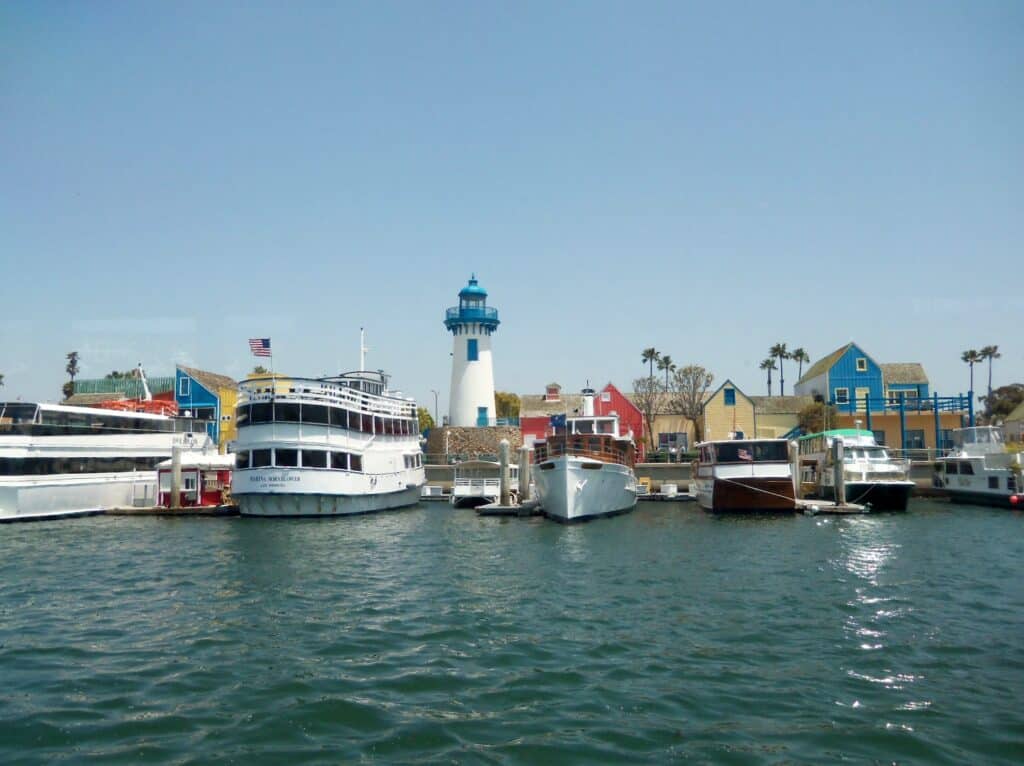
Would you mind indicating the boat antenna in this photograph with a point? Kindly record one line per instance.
(147, 395)
(362, 349)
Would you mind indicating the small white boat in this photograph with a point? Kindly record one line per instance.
(478, 482)
(979, 470)
(584, 467)
(871, 475)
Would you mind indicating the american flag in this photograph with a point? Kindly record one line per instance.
(743, 454)
(259, 346)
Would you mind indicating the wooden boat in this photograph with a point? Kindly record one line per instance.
(744, 476)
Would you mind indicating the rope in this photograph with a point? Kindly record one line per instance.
(758, 489)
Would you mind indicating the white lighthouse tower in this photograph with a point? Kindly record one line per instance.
(471, 323)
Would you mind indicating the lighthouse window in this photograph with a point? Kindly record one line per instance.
(472, 352)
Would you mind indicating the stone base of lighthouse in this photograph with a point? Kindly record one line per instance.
(451, 443)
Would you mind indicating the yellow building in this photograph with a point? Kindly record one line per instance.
(776, 416)
(207, 396)
(728, 412)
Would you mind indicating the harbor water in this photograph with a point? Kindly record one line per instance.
(432, 635)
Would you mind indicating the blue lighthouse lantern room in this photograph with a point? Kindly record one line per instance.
(472, 323)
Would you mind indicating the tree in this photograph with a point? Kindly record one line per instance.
(817, 417)
(115, 375)
(1002, 401)
(665, 363)
(800, 356)
(686, 396)
(259, 369)
(780, 353)
(506, 405)
(990, 353)
(1, 381)
(650, 355)
(426, 419)
(648, 393)
(971, 358)
(769, 364)
(68, 389)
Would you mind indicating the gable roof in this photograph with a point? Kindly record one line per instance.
(535, 405)
(1017, 414)
(211, 381)
(87, 400)
(725, 383)
(903, 372)
(824, 364)
(780, 405)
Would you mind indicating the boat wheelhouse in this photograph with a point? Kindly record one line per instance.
(58, 460)
(980, 471)
(584, 466)
(870, 475)
(325, 446)
(746, 475)
(478, 482)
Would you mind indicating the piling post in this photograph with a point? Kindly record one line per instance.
(503, 486)
(176, 476)
(839, 471)
(903, 422)
(970, 407)
(938, 427)
(867, 409)
(524, 474)
(794, 463)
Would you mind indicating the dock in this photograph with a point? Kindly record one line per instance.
(529, 508)
(828, 507)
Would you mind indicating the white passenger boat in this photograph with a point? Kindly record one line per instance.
(325, 446)
(584, 468)
(979, 470)
(871, 476)
(746, 475)
(58, 461)
(478, 482)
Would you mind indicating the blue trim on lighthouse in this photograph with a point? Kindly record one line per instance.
(472, 310)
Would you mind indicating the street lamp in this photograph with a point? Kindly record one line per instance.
(436, 421)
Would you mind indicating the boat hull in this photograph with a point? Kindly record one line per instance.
(38, 498)
(881, 496)
(990, 499)
(750, 494)
(290, 505)
(570, 489)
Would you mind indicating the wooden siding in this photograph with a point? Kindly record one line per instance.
(721, 420)
(844, 374)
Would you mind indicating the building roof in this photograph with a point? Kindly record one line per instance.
(535, 405)
(211, 381)
(473, 289)
(903, 372)
(88, 400)
(780, 405)
(824, 364)
(130, 387)
(1017, 414)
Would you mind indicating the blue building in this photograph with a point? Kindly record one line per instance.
(849, 375)
(208, 397)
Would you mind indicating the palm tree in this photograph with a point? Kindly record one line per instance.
(769, 364)
(971, 358)
(651, 356)
(800, 356)
(665, 363)
(779, 352)
(990, 353)
(1, 381)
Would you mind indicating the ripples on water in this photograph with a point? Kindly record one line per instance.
(431, 635)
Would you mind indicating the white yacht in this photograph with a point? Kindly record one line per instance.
(870, 474)
(584, 468)
(478, 482)
(325, 446)
(745, 475)
(979, 469)
(58, 461)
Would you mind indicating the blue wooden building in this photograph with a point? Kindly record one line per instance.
(848, 374)
(208, 397)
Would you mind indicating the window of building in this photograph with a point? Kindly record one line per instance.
(915, 439)
(286, 458)
(862, 364)
(184, 386)
(730, 397)
(472, 352)
(606, 396)
(842, 396)
(946, 439)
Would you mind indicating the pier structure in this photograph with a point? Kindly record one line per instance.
(472, 323)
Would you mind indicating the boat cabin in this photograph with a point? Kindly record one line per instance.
(205, 480)
(740, 451)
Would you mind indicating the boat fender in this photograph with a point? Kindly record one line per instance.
(1014, 499)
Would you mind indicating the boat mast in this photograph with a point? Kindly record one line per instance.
(362, 350)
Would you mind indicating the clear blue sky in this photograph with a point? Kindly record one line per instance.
(707, 179)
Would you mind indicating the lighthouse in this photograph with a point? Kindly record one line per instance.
(471, 324)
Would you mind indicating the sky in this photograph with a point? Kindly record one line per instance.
(707, 179)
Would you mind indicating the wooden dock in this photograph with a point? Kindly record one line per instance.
(822, 507)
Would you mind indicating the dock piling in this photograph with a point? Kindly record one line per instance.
(504, 488)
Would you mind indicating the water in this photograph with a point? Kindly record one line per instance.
(431, 635)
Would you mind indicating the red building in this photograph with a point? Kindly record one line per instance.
(535, 412)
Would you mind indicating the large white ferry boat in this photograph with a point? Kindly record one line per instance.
(871, 475)
(979, 469)
(746, 475)
(584, 469)
(325, 446)
(58, 461)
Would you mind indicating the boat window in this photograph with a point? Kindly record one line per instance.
(993, 482)
(286, 412)
(339, 417)
(339, 461)
(242, 459)
(315, 414)
(951, 467)
(261, 413)
(366, 424)
(966, 468)
(286, 458)
(356, 462)
(18, 413)
(71, 465)
(378, 424)
(242, 415)
(260, 458)
(584, 427)
(314, 458)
